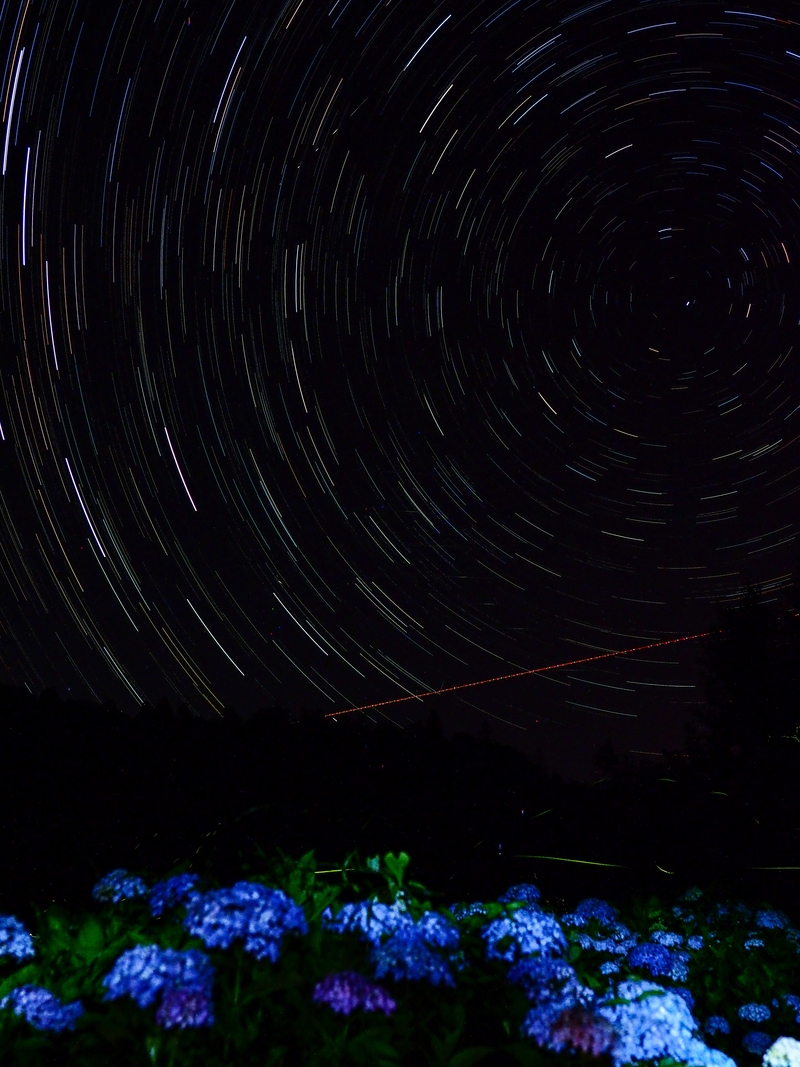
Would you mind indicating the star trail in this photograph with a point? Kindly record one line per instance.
(353, 350)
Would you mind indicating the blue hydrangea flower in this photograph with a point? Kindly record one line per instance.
(715, 1024)
(588, 909)
(618, 940)
(410, 950)
(248, 910)
(14, 939)
(667, 939)
(656, 958)
(369, 918)
(757, 1042)
(119, 885)
(771, 920)
(542, 976)
(754, 1013)
(695, 942)
(686, 995)
(652, 1023)
(346, 991)
(610, 966)
(753, 942)
(464, 911)
(526, 893)
(170, 893)
(530, 933)
(42, 1009)
(185, 980)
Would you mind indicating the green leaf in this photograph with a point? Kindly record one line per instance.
(90, 940)
(370, 1050)
(468, 1056)
(526, 1055)
(396, 865)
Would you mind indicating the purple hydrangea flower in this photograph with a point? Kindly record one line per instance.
(715, 1024)
(346, 991)
(369, 918)
(588, 909)
(754, 1013)
(578, 1028)
(185, 1006)
(530, 933)
(652, 1023)
(170, 893)
(757, 1042)
(249, 910)
(14, 939)
(524, 892)
(119, 885)
(184, 979)
(42, 1009)
(771, 920)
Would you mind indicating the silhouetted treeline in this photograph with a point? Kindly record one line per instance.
(85, 789)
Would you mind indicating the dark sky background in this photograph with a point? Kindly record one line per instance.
(353, 349)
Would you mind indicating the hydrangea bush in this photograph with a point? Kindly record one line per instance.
(357, 966)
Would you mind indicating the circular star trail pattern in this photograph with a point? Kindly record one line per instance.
(352, 349)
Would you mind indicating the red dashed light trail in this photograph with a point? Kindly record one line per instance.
(518, 674)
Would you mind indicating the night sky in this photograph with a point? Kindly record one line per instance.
(354, 349)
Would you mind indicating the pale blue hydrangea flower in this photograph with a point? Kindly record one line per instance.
(695, 942)
(185, 980)
(119, 885)
(784, 1053)
(754, 1013)
(610, 966)
(14, 939)
(171, 892)
(346, 991)
(667, 939)
(618, 940)
(530, 932)
(757, 1042)
(369, 918)
(653, 1023)
(248, 910)
(753, 942)
(42, 1009)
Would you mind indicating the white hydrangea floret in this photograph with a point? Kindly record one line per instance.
(785, 1052)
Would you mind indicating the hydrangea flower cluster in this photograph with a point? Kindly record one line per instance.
(754, 1013)
(346, 991)
(184, 979)
(559, 1000)
(652, 1023)
(660, 961)
(42, 1009)
(784, 1053)
(119, 885)
(757, 1042)
(771, 920)
(793, 1002)
(401, 948)
(248, 910)
(527, 932)
(171, 892)
(465, 911)
(369, 918)
(14, 939)
(524, 893)
(589, 909)
(715, 1024)
(618, 940)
